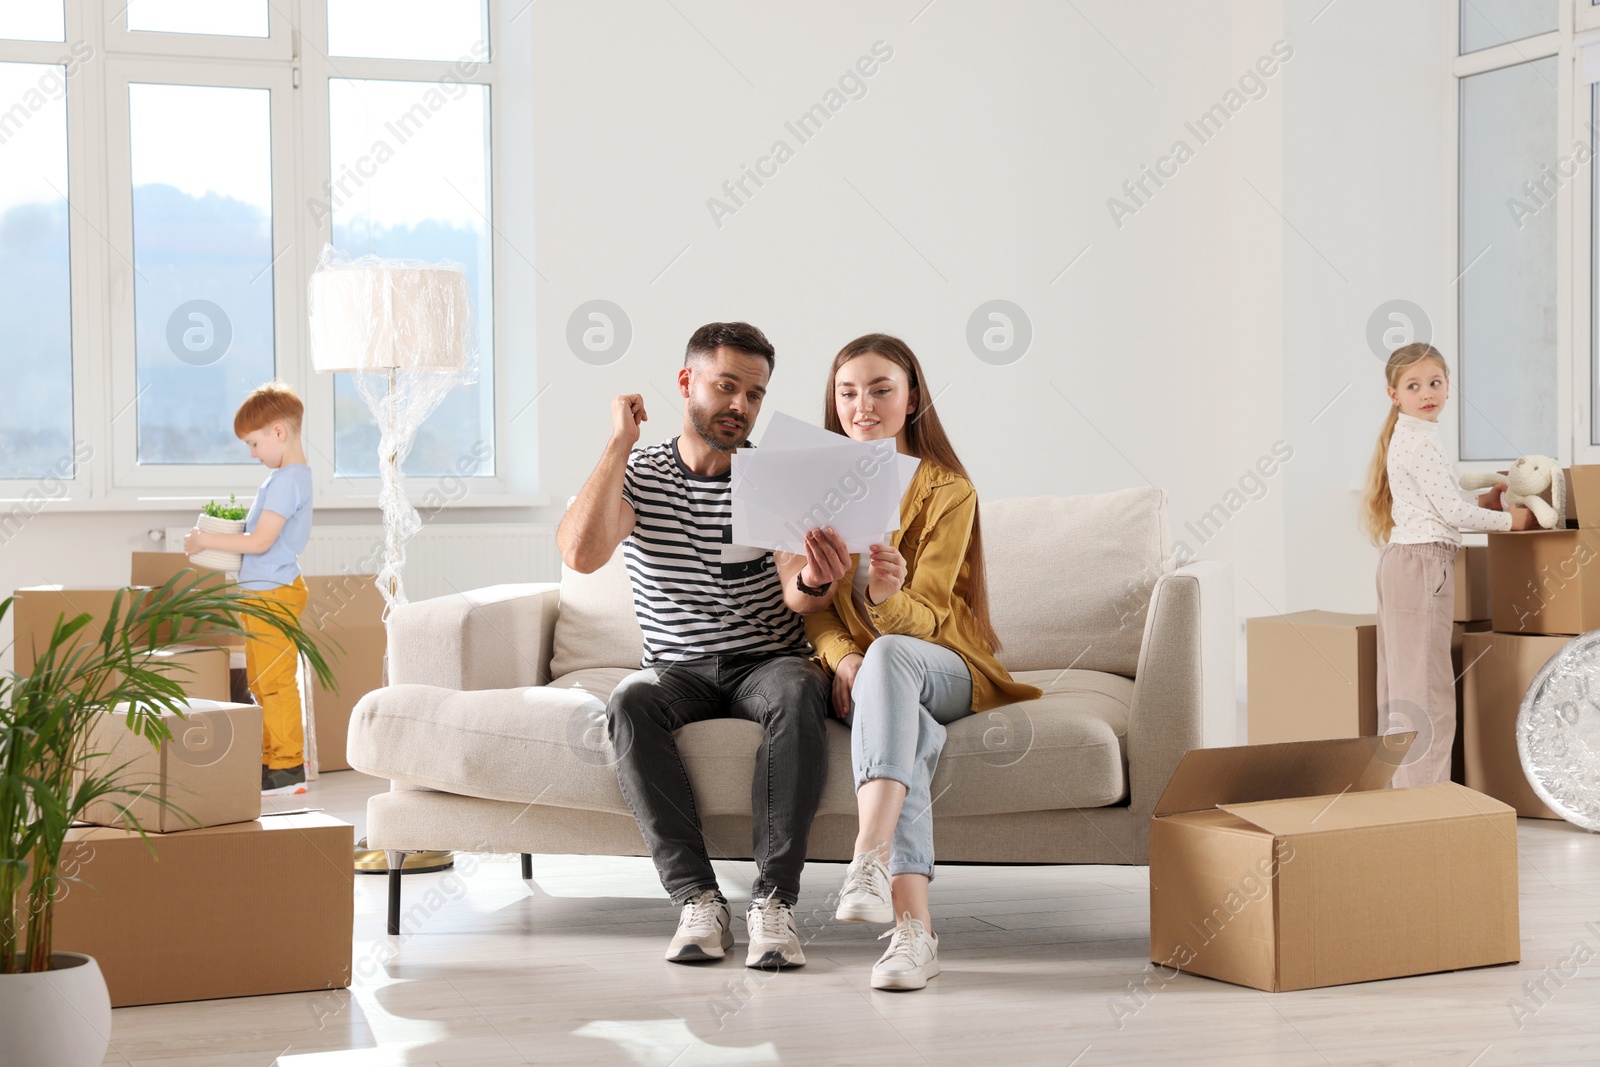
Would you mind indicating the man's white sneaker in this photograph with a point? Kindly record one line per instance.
(705, 930)
(911, 959)
(773, 941)
(865, 896)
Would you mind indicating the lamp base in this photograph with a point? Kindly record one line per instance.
(373, 861)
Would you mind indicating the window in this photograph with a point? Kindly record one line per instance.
(1487, 23)
(411, 184)
(1507, 259)
(1528, 370)
(170, 171)
(202, 258)
(32, 20)
(35, 273)
(226, 18)
(406, 29)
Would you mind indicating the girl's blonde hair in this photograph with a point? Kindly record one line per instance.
(1377, 502)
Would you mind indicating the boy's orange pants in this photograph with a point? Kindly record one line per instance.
(270, 664)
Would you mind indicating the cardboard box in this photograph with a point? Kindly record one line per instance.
(1312, 674)
(154, 568)
(1458, 636)
(1291, 867)
(202, 670)
(1472, 583)
(1545, 581)
(1499, 668)
(1583, 495)
(348, 609)
(36, 609)
(209, 773)
(225, 911)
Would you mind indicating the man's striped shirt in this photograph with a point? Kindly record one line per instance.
(695, 593)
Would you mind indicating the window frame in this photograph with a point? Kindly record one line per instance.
(121, 73)
(1574, 257)
(292, 63)
(276, 47)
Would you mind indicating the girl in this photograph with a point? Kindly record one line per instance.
(1412, 502)
(911, 647)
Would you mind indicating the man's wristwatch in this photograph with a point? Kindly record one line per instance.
(800, 584)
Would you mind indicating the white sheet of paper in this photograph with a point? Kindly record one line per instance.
(853, 486)
(784, 431)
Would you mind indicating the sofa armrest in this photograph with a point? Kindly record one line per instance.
(1183, 695)
(498, 637)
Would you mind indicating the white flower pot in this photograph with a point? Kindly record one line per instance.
(55, 1018)
(219, 561)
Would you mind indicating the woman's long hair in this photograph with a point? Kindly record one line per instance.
(926, 439)
(1377, 502)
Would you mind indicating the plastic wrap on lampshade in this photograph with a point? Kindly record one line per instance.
(405, 332)
(1558, 732)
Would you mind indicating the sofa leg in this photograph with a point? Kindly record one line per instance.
(396, 858)
(527, 867)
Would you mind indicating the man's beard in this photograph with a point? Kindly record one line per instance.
(708, 433)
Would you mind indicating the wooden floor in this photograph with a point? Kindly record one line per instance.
(1038, 966)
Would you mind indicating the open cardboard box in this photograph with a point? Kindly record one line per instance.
(1292, 867)
(1583, 495)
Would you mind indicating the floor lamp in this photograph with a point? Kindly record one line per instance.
(405, 331)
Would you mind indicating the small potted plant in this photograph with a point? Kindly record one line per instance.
(55, 1010)
(221, 518)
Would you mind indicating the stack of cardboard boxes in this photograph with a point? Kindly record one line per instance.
(1518, 601)
(1287, 864)
(223, 901)
(1544, 590)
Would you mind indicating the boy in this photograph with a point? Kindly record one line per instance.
(276, 531)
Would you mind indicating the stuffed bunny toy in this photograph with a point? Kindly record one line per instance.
(1528, 477)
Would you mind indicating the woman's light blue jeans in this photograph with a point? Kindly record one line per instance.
(905, 691)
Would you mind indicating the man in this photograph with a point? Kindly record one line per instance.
(721, 639)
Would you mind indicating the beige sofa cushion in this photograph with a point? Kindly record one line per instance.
(547, 745)
(596, 626)
(1070, 577)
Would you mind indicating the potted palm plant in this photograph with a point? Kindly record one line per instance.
(54, 1007)
(221, 518)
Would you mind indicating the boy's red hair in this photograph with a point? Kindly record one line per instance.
(273, 402)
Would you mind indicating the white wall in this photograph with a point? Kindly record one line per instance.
(1177, 350)
(1366, 173)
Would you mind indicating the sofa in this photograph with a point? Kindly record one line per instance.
(492, 727)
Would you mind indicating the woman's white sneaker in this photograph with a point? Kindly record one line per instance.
(865, 897)
(705, 930)
(911, 959)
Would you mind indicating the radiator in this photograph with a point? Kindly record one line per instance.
(441, 559)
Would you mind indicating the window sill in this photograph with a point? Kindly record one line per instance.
(164, 503)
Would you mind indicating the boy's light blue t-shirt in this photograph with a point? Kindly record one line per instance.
(286, 491)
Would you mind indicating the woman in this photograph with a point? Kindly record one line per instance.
(911, 647)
